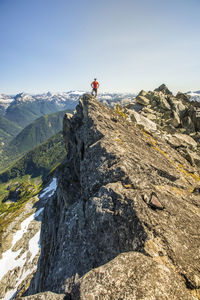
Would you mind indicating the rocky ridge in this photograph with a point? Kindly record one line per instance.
(175, 119)
(124, 221)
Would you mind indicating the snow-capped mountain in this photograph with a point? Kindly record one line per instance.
(195, 96)
(111, 99)
(5, 102)
(24, 108)
(61, 96)
(23, 97)
(64, 100)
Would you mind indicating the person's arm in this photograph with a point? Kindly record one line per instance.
(92, 84)
(98, 85)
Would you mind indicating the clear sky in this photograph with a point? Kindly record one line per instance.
(129, 45)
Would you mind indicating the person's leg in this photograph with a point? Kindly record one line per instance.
(92, 92)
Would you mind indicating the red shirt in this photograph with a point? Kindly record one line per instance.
(95, 84)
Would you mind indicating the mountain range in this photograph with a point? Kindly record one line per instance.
(40, 104)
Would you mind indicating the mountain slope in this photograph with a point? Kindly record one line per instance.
(5, 102)
(31, 136)
(37, 132)
(39, 161)
(8, 129)
(24, 109)
(25, 113)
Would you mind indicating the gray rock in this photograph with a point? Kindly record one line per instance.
(188, 124)
(155, 203)
(175, 120)
(142, 93)
(163, 88)
(142, 100)
(180, 108)
(132, 276)
(195, 159)
(151, 117)
(186, 140)
(183, 97)
(143, 122)
(169, 128)
(181, 140)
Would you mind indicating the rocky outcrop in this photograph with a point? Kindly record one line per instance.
(133, 276)
(176, 119)
(176, 112)
(163, 88)
(143, 122)
(124, 221)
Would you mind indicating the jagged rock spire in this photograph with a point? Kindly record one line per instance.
(164, 89)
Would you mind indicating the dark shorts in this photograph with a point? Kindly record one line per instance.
(95, 90)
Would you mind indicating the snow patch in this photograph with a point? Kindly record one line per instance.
(18, 235)
(12, 293)
(34, 245)
(50, 188)
(38, 212)
(8, 260)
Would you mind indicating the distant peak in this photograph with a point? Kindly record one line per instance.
(164, 89)
(193, 93)
(49, 94)
(23, 97)
(22, 94)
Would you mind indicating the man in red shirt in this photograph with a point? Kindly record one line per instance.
(94, 86)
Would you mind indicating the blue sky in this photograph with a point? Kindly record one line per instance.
(129, 45)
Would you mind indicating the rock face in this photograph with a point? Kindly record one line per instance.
(133, 276)
(124, 221)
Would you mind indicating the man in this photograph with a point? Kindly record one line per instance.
(94, 86)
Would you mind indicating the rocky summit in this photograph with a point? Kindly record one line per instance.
(124, 221)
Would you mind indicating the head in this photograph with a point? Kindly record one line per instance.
(95, 79)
